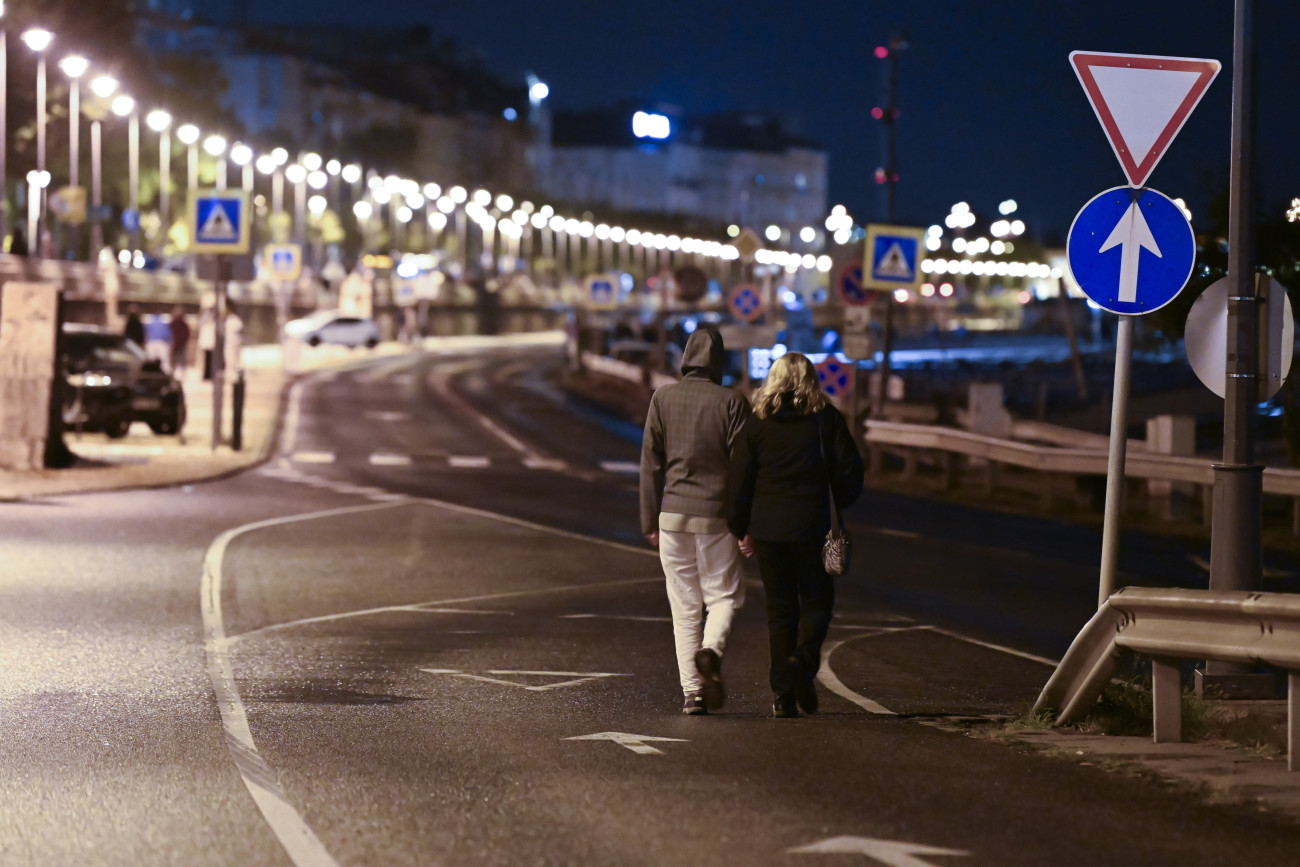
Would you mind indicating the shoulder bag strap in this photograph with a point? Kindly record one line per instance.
(836, 520)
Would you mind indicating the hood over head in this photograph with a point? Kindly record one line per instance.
(704, 354)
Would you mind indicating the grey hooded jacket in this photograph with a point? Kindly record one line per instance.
(690, 430)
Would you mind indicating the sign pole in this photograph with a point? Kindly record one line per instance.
(1235, 544)
(219, 347)
(1115, 458)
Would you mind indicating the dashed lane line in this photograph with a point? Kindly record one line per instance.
(387, 459)
(624, 467)
(312, 457)
(469, 461)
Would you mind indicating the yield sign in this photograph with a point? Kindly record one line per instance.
(1142, 102)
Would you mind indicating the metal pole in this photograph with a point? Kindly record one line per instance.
(896, 43)
(192, 181)
(1115, 459)
(37, 242)
(96, 189)
(4, 132)
(74, 132)
(219, 348)
(133, 142)
(1235, 546)
(165, 181)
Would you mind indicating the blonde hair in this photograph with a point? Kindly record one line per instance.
(792, 379)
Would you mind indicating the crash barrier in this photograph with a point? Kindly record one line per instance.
(1085, 455)
(1169, 625)
(625, 370)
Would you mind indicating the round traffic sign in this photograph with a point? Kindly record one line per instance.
(1206, 337)
(1131, 250)
(836, 377)
(745, 302)
(850, 285)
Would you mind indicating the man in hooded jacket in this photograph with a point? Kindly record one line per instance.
(690, 430)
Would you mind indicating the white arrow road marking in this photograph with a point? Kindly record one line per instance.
(891, 852)
(1131, 234)
(635, 743)
(575, 677)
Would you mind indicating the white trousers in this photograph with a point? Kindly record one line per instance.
(703, 575)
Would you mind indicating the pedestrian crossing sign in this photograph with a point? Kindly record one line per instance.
(895, 255)
(220, 221)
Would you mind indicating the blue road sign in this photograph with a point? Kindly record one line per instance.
(850, 285)
(602, 292)
(131, 220)
(1131, 250)
(219, 220)
(893, 254)
(836, 377)
(745, 302)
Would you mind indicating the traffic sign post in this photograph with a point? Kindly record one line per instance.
(850, 284)
(220, 223)
(1131, 249)
(601, 291)
(1206, 336)
(283, 261)
(891, 260)
(836, 377)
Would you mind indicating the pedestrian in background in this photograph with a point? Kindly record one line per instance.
(18, 242)
(690, 429)
(180, 349)
(158, 340)
(134, 328)
(794, 454)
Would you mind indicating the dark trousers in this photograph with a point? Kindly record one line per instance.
(800, 597)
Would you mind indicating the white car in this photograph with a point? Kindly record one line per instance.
(330, 326)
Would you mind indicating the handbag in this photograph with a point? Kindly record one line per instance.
(838, 546)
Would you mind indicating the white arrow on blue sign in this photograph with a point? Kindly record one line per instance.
(1131, 250)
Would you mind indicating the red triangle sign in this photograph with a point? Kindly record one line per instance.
(1142, 102)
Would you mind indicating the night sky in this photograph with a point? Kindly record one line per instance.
(990, 108)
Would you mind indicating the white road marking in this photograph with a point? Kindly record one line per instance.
(402, 379)
(389, 416)
(575, 677)
(894, 853)
(1011, 651)
(829, 680)
(444, 610)
(469, 461)
(902, 534)
(545, 464)
(308, 457)
(289, 436)
(301, 844)
(635, 743)
(495, 429)
(628, 467)
(615, 617)
(386, 459)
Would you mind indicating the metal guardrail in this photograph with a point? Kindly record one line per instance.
(1084, 454)
(1252, 628)
(625, 370)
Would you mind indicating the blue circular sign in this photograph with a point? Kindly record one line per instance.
(851, 285)
(835, 377)
(745, 302)
(1131, 250)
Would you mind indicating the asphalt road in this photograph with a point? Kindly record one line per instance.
(428, 633)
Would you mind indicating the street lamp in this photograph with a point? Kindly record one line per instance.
(215, 145)
(4, 123)
(124, 106)
(74, 66)
(159, 121)
(242, 156)
(189, 134)
(38, 40)
(103, 87)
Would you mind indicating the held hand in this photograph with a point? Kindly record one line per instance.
(653, 539)
(747, 546)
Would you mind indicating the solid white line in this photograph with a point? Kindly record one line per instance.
(1011, 651)
(308, 457)
(829, 680)
(301, 844)
(383, 459)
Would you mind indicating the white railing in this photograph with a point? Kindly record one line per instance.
(1242, 627)
(624, 370)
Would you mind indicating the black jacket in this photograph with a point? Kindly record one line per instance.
(778, 481)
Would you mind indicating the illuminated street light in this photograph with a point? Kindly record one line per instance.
(215, 146)
(351, 173)
(160, 121)
(311, 162)
(38, 40)
(773, 233)
(125, 106)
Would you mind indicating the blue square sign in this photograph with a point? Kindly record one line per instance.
(893, 254)
(219, 221)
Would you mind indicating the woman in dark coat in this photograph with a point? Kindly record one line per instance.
(793, 451)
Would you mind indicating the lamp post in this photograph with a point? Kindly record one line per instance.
(160, 122)
(124, 106)
(189, 134)
(74, 66)
(215, 145)
(39, 40)
(37, 181)
(102, 86)
(4, 123)
(242, 156)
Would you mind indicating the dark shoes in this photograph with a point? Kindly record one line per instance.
(805, 693)
(784, 707)
(694, 705)
(709, 665)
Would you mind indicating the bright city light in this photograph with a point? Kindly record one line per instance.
(311, 162)
(215, 145)
(538, 91)
(772, 233)
(362, 210)
(188, 133)
(123, 105)
(103, 86)
(74, 66)
(295, 174)
(646, 125)
(807, 234)
(1008, 207)
(241, 154)
(317, 205)
(351, 173)
(37, 39)
(333, 167)
(158, 120)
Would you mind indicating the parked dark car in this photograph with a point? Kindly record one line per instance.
(109, 383)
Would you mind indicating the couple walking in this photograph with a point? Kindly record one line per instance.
(719, 479)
